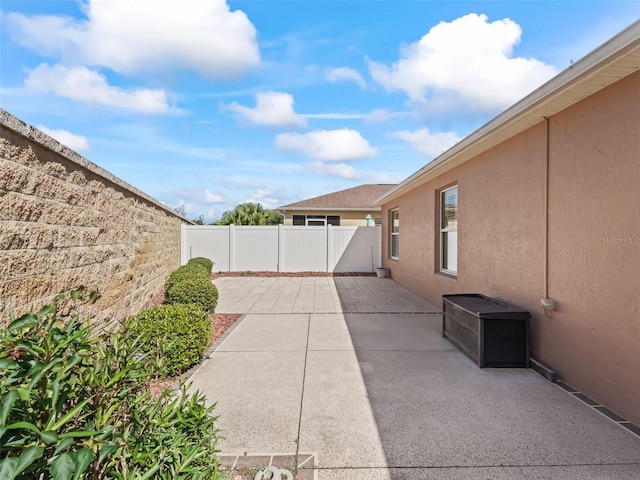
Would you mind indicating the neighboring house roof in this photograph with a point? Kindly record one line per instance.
(612, 61)
(355, 198)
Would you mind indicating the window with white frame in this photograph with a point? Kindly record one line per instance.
(449, 230)
(394, 241)
(316, 220)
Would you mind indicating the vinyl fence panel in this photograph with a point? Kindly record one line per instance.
(255, 248)
(209, 242)
(304, 249)
(284, 248)
(354, 249)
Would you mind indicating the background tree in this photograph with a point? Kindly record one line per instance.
(181, 209)
(250, 214)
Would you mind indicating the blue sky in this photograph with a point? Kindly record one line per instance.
(207, 103)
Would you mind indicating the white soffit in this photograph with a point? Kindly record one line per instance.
(612, 61)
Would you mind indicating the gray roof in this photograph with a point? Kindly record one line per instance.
(356, 198)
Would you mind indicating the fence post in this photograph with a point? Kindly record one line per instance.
(329, 246)
(183, 243)
(280, 248)
(232, 260)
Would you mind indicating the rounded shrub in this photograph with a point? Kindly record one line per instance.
(194, 290)
(174, 337)
(202, 261)
(186, 271)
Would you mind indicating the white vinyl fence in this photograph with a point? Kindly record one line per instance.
(284, 248)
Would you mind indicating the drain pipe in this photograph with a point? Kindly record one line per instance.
(547, 304)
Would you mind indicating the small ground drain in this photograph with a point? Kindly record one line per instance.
(250, 467)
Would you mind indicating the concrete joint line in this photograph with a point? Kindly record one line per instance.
(304, 377)
(456, 467)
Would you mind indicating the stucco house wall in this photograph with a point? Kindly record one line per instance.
(348, 218)
(592, 269)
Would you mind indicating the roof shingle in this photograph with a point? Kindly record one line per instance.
(358, 197)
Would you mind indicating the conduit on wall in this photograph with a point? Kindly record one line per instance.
(546, 213)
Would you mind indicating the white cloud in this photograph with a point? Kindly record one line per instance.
(146, 35)
(342, 170)
(210, 197)
(427, 143)
(272, 108)
(468, 58)
(335, 116)
(380, 115)
(344, 73)
(87, 86)
(327, 145)
(267, 197)
(65, 137)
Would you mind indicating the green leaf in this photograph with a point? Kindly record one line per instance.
(8, 399)
(65, 443)
(9, 468)
(107, 449)
(25, 321)
(23, 425)
(7, 364)
(47, 310)
(76, 434)
(150, 472)
(93, 297)
(23, 393)
(68, 416)
(27, 458)
(49, 437)
(62, 467)
(83, 459)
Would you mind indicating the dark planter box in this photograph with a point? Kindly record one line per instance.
(492, 333)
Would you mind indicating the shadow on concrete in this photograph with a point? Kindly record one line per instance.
(440, 416)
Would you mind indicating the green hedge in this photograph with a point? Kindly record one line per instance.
(203, 262)
(173, 337)
(186, 271)
(194, 290)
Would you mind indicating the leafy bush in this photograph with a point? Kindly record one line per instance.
(174, 337)
(74, 404)
(194, 290)
(186, 271)
(202, 261)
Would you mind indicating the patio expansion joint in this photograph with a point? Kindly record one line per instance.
(483, 466)
(593, 405)
(391, 313)
(304, 377)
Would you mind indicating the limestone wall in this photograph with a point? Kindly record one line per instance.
(65, 222)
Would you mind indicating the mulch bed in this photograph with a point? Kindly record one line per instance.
(221, 321)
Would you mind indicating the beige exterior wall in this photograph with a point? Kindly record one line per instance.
(593, 339)
(65, 222)
(347, 218)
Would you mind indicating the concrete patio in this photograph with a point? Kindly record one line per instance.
(350, 378)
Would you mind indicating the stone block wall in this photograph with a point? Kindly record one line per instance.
(65, 222)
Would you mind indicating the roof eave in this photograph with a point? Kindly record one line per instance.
(330, 209)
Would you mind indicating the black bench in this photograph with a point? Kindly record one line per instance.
(492, 333)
